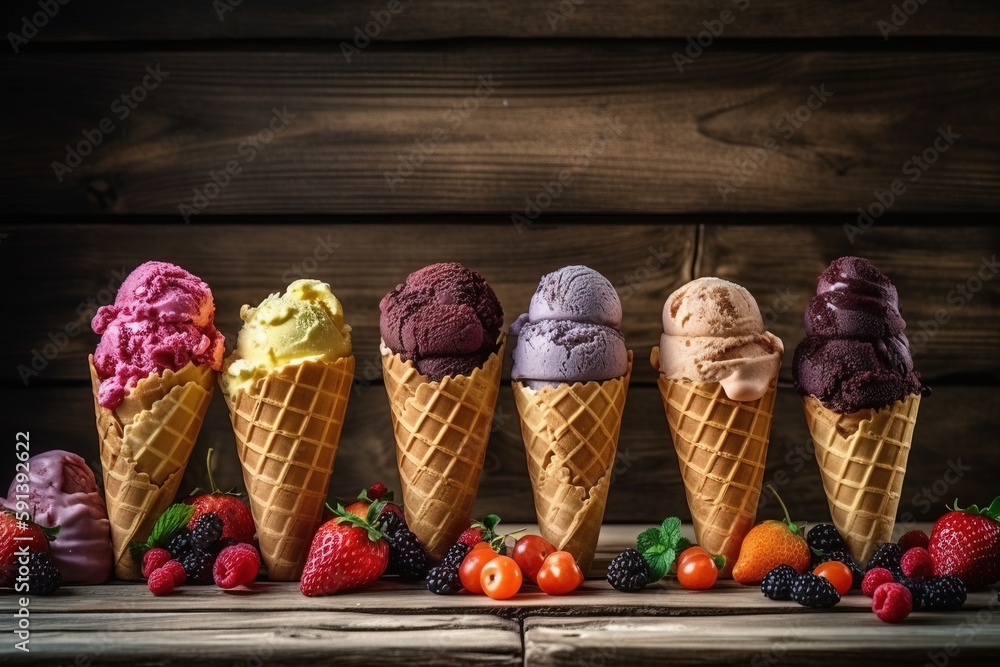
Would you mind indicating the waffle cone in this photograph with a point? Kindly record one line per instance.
(287, 429)
(721, 447)
(145, 445)
(862, 460)
(442, 430)
(570, 439)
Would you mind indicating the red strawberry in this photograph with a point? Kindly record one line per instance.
(19, 538)
(480, 531)
(347, 552)
(237, 522)
(966, 543)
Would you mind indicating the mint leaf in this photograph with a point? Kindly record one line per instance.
(647, 539)
(670, 527)
(169, 524)
(660, 546)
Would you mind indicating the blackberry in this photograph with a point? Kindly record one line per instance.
(207, 531)
(406, 556)
(390, 523)
(198, 567)
(848, 560)
(443, 580)
(887, 555)
(813, 591)
(823, 538)
(916, 589)
(456, 554)
(180, 545)
(777, 584)
(629, 572)
(43, 575)
(942, 594)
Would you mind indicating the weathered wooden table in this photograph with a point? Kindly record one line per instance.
(390, 623)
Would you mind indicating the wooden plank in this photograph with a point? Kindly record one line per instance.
(278, 638)
(632, 133)
(951, 312)
(951, 443)
(298, 19)
(71, 266)
(849, 639)
(595, 597)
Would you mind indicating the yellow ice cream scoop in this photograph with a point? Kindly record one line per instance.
(306, 323)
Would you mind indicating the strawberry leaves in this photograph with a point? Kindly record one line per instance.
(660, 547)
(369, 523)
(992, 512)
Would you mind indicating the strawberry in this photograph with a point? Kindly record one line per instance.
(480, 531)
(375, 492)
(966, 543)
(347, 552)
(19, 538)
(770, 544)
(237, 522)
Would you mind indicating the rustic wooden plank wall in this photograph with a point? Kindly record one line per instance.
(749, 162)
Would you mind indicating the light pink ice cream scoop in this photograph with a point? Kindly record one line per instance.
(63, 492)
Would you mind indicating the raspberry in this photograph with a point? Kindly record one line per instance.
(823, 538)
(916, 564)
(629, 572)
(153, 560)
(175, 568)
(942, 594)
(237, 565)
(777, 584)
(456, 554)
(206, 532)
(914, 538)
(161, 582)
(443, 580)
(874, 578)
(377, 490)
(43, 575)
(810, 590)
(892, 603)
(887, 555)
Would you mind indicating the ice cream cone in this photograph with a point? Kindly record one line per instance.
(287, 428)
(145, 445)
(442, 430)
(570, 438)
(721, 447)
(862, 460)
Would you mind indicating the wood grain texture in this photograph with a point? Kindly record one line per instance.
(594, 598)
(298, 19)
(849, 639)
(953, 453)
(67, 265)
(289, 639)
(70, 268)
(632, 133)
(950, 310)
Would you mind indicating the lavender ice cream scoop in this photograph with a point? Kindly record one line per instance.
(570, 332)
(63, 492)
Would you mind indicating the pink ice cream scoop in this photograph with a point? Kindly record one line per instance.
(62, 491)
(161, 319)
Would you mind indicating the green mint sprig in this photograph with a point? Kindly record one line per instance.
(661, 545)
